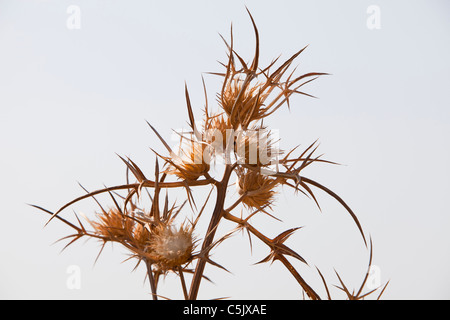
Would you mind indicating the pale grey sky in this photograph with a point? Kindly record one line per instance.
(71, 99)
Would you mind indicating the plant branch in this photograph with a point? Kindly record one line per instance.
(279, 256)
(215, 219)
(183, 283)
(136, 186)
(151, 279)
(309, 291)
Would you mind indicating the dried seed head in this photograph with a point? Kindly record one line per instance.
(172, 247)
(113, 225)
(217, 129)
(242, 104)
(141, 236)
(257, 189)
(256, 147)
(191, 162)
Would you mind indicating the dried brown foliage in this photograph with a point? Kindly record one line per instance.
(249, 95)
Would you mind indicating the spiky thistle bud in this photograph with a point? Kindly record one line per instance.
(171, 246)
(191, 162)
(255, 147)
(141, 236)
(217, 129)
(257, 189)
(242, 104)
(113, 225)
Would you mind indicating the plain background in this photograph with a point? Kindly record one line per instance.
(71, 99)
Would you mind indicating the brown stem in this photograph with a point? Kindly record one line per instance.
(146, 183)
(309, 291)
(249, 227)
(212, 228)
(183, 283)
(151, 279)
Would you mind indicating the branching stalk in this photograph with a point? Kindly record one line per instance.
(249, 94)
(209, 237)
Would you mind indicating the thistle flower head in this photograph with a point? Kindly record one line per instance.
(242, 103)
(256, 147)
(191, 161)
(113, 225)
(217, 129)
(141, 236)
(257, 189)
(171, 247)
(161, 243)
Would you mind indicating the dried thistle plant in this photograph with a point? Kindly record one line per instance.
(249, 95)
